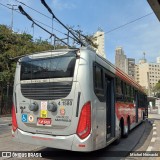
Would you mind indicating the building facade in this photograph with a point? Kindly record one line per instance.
(147, 74)
(120, 59)
(158, 59)
(99, 40)
(130, 67)
(127, 65)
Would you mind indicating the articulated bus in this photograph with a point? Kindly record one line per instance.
(74, 99)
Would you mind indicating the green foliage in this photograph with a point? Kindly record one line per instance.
(16, 44)
(157, 89)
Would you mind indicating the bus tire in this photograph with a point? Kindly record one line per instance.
(143, 116)
(125, 135)
(122, 127)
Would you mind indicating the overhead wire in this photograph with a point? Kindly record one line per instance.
(34, 9)
(37, 21)
(123, 25)
(57, 21)
(106, 32)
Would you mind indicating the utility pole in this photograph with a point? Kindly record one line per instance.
(12, 8)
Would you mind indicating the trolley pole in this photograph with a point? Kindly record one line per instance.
(12, 8)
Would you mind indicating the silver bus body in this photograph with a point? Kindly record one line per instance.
(66, 96)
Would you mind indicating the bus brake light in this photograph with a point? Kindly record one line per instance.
(14, 120)
(84, 125)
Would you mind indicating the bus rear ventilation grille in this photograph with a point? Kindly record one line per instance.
(46, 91)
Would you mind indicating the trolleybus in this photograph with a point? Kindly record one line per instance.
(74, 99)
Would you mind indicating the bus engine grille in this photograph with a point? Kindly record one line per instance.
(46, 91)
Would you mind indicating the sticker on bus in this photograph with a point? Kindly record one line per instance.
(43, 114)
(43, 105)
(24, 117)
(31, 118)
(44, 121)
(62, 111)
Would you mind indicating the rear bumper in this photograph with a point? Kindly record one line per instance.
(71, 142)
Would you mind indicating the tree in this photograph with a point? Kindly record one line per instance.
(14, 44)
(157, 89)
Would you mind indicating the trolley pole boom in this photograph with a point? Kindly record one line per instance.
(29, 17)
(53, 15)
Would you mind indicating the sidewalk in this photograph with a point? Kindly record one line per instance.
(155, 141)
(153, 116)
(5, 120)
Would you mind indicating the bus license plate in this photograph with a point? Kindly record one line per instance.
(44, 121)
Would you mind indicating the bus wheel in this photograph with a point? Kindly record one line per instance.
(143, 116)
(127, 129)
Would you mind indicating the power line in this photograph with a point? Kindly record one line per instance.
(53, 16)
(36, 20)
(123, 25)
(30, 18)
(35, 10)
(12, 8)
(116, 28)
(78, 40)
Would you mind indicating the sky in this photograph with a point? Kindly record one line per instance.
(88, 15)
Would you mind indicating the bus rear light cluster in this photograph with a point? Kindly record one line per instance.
(14, 120)
(84, 125)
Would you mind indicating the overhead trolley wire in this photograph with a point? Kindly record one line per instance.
(38, 21)
(123, 25)
(116, 28)
(34, 9)
(54, 17)
(29, 17)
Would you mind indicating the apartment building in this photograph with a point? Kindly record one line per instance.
(99, 40)
(158, 59)
(125, 64)
(147, 74)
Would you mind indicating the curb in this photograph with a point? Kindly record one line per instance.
(153, 139)
(140, 136)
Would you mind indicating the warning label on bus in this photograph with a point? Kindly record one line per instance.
(43, 113)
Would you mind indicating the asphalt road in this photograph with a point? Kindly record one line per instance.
(136, 139)
(4, 128)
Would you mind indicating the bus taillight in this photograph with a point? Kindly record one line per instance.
(84, 125)
(14, 120)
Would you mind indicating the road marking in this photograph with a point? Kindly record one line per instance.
(153, 139)
(154, 124)
(149, 148)
(154, 133)
(154, 128)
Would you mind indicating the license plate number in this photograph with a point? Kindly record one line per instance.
(44, 121)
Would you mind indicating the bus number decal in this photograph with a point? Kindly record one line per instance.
(65, 102)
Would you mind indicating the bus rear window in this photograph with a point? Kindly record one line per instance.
(52, 67)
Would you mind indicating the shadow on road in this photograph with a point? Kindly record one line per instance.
(135, 141)
(146, 137)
